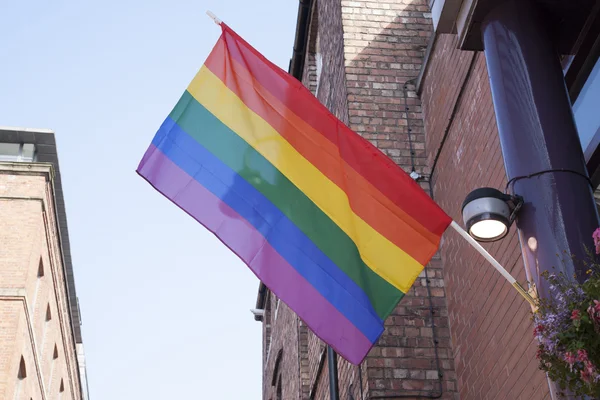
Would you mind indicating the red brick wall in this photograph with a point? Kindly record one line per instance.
(313, 379)
(332, 83)
(384, 46)
(371, 50)
(10, 313)
(266, 331)
(303, 333)
(309, 73)
(302, 349)
(284, 338)
(28, 235)
(493, 345)
(332, 92)
(319, 374)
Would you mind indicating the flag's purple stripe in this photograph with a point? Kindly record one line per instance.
(268, 265)
(280, 231)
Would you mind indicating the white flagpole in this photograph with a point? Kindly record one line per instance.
(214, 17)
(494, 263)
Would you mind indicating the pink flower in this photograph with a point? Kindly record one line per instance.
(585, 376)
(539, 353)
(589, 367)
(589, 372)
(582, 355)
(576, 315)
(538, 330)
(596, 236)
(594, 311)
(570, 359)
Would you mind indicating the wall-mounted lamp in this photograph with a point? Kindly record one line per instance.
(488, 213)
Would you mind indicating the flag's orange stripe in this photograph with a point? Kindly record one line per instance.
(365, 200)
(357, 152)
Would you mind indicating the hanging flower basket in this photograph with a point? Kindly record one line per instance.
(568, 330)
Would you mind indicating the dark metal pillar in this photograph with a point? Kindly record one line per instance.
(334, 393)
(538, 133)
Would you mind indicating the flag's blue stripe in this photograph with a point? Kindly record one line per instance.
(280, 231)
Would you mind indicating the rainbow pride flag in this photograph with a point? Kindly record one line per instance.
(327, 222)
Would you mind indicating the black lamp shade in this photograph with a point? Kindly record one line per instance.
(486, 214)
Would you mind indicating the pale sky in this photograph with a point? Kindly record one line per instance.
(165, 306)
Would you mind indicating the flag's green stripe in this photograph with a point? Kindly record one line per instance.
(225, 144)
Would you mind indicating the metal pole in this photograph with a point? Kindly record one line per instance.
(538, 136)
(334, 392)
(542, 154)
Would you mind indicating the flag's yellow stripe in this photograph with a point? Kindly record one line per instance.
(381, 255)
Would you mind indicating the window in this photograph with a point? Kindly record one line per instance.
(61, 389)
(276, 299)
(276, 381)
(319, 64)
(21, 375)
(53, 366)
(48, 318)
(267, 322)
(584, 83)
(279, 389)
(40, 275)
(19, 152)
(586, 112)
(315, 56)
(40, 269)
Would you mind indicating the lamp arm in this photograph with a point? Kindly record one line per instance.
(494, 262)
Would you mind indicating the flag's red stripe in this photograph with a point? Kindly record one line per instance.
(357, 152)
(365, 200)
(399, 191)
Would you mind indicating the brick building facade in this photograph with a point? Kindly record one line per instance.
(493, 347)
(411, 77)
(362, 61)
(41, 353)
